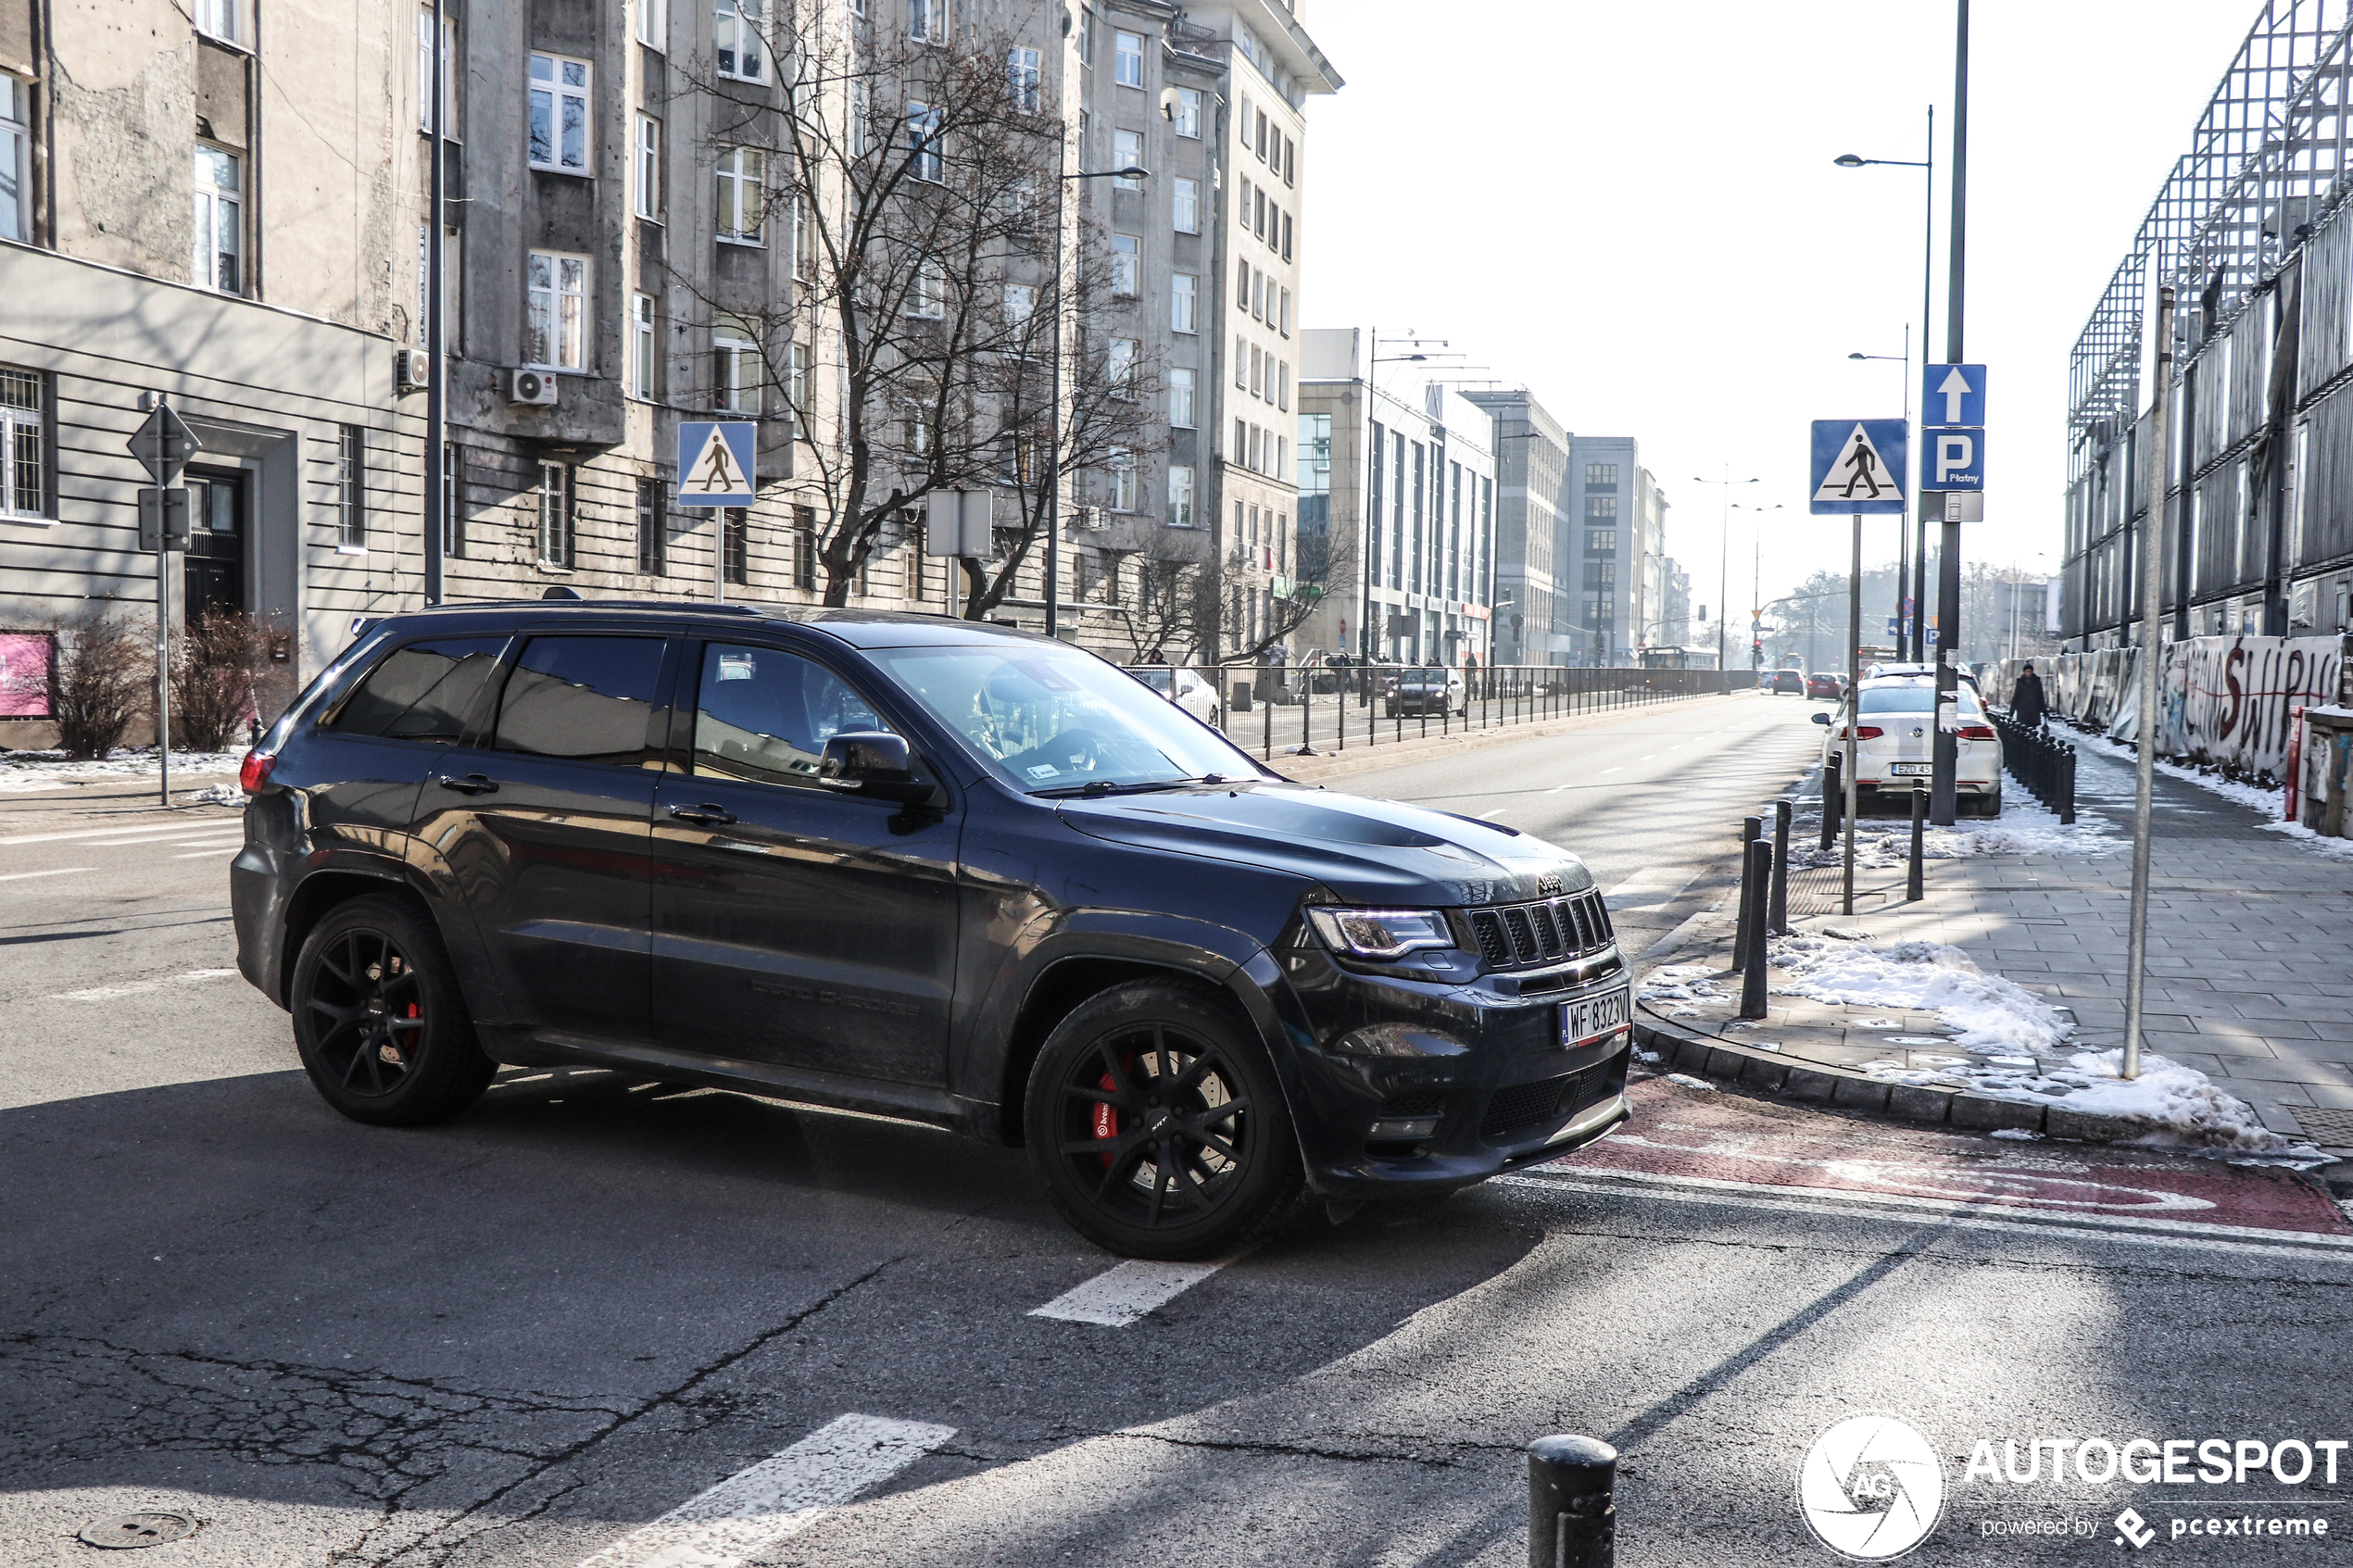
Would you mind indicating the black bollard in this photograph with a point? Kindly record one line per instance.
(1751, 828)
(1754, 967)
(1572, 1519)
(1913, 884)
(1833, 798)
(1777, 919)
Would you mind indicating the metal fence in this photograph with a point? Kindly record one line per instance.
(1280, 711)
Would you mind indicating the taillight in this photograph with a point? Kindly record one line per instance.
(254, 772)
(1868, 732)
(1976, 732)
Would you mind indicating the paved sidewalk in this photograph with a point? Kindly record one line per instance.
(2249, 934)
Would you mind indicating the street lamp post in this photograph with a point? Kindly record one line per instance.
(1927, 165)
(1903, 532)
(1723, 550)
(1054, 407)
(1756, 584)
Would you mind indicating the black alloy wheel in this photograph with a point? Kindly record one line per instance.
(1157, 1124)
(377, 1018)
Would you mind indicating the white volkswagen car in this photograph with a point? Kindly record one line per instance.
(1895, 744)
(1186, 688)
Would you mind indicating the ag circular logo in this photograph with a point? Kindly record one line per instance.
(1871, 1487)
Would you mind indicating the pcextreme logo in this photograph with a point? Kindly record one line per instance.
(1871, 1488)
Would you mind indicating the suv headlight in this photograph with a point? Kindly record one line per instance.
(1382, 935)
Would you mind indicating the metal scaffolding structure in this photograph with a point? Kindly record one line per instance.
(2245, 207)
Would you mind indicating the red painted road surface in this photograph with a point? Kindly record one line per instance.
(1717, 1136)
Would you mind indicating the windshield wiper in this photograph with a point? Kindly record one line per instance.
(1100, 787)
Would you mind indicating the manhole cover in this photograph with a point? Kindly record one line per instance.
(2325, 1125)
(127, 1531)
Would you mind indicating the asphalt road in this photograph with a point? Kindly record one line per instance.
(526, 1337)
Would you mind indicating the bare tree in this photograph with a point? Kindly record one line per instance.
(1173, 610)
(214, 665)
(915, 181)
(99, 683)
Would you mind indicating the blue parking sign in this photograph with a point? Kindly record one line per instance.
(1953, 459)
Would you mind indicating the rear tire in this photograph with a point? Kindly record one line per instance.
(379, 1021)
(1157, 1126)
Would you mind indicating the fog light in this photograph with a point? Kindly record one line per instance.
(1405, 1129)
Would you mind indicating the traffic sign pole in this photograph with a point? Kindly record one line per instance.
(1854, 699)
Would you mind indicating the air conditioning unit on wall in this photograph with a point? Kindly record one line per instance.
(538, 387)
(1094, 518)
(411, 369)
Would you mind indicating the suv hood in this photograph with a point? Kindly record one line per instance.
(1370, 851)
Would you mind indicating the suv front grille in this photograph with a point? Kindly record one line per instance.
(1522, 935)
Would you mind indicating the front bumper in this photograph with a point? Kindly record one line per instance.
(1404, 1086)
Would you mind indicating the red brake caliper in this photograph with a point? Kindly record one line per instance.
(1107, 1117)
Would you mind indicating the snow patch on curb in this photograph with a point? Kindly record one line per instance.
(1681, 988)
(48, 770)
(2025, 827)
(1986, 1011)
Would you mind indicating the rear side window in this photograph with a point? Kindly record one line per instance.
(587, 698)
(764, 715)
(425, 691)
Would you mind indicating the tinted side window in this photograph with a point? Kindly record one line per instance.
(583, 697)
(764, 715)
(425, 691)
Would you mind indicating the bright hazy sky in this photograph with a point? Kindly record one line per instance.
(1631, 207)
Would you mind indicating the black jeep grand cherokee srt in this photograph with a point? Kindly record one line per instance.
(923, 867)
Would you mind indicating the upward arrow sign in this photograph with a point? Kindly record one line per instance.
(1953, 388)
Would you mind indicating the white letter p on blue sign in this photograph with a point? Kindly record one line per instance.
(1956, 461)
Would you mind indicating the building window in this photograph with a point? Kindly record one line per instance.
(1180, 497)
(646, 160)
(736, 35)
(734, 544)
(1021, 79)
(1120, 366)
(928, 299)
(1123, 480)
(351, 489)
(1286, 236)
(220, 221)
(24, 436)
(804, 550)
(1290, 171)
(1127, 58)
(928, 20)
(743, 198)
(1185, 207)
(862, 115)
(735, 368)
(1184, 303)
(558, 114)
(555, 318)
(452, 271)
(453, 531)
(1283, 326)
(797, 391)
(1600, 574)
(1180, 398)
(1601, 505)
(653, 23)
(1282, 384)
(1242, 363)
(555, 515)
(653, 529)
(1600, 538)
(224, 20)
(1258, 377)
(922, 142)
(1127, 151)
(1601, 474)
(16, 159)
(424, 72)
(1187, 117)
(1126, 276)
(641, 346)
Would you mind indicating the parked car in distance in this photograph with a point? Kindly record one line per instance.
(1895, 744)
(1192, 693)
(915, 867)
(1968, 677)
(1780, 681)
(1432, 691)
(1823, 686)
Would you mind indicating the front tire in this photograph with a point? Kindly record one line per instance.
(1155, 1122)
(379, 1021)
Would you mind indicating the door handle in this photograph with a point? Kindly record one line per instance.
(472, 784)
(706, 814)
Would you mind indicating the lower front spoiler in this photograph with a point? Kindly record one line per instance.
(1435, 1175)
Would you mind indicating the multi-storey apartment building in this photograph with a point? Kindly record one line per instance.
(1399, 480)
(1616, 531)
(197, 209)
(1535, 509)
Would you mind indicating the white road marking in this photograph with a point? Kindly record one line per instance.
(61, 871)
(781, 1496)
(140, 987)
(107, 836)
(1490, 816)
(1606, 770)
(1639, 883)
(1118, 1297)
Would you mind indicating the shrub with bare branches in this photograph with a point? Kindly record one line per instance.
(213, 665)
(100, 682)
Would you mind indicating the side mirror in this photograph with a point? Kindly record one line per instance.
(874, 763)
(1819, 718)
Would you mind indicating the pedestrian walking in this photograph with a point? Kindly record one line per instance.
(2026, 699)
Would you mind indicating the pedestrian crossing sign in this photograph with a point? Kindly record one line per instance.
(715, 463)
(1858, 466)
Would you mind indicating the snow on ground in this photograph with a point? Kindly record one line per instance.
(23, 771)
(2025, 827)
(1986, 1011)
(1684, 986)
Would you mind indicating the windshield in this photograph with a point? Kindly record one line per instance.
(1053, 720)
(1910, 700)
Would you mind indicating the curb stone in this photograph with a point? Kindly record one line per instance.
(1768, 1072)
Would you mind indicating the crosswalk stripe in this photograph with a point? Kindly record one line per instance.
(1118, 1297)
